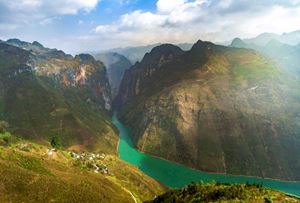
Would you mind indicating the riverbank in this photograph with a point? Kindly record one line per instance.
(175, 175)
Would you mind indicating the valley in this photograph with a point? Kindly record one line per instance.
(189, 117)
(214, 108)
(175, 175)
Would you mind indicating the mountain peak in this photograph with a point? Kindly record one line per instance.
(162, 50)
(201, 46)
(16, 42)
(37, 44)
(238, 42)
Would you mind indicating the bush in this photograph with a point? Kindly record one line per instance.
(56, 142)
(3, 126)
(268, 200)
(6, 137)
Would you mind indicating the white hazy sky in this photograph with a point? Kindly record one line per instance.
(86, 25)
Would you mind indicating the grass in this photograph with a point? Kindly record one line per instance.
(32, 176)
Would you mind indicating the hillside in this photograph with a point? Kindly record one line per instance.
(116, 65)
(46, 93)
(214, 108)
(29, 173)
(215, 192)
(287, 56)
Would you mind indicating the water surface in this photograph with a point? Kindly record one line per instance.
(175, 175)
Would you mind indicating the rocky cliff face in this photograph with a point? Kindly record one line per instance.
(116, 65)
(81, 72)
(48, 93)
(214, 108)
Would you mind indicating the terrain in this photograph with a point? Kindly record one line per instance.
(216, 192)
(199, 107)
(46, 93)
(116, 65)
(214, 108)
(285, 55)
(30, 174)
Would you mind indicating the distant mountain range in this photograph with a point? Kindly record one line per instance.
(116, 65)
(135, 54)
(287, 56)
(291, 38)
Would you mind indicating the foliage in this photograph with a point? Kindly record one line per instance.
(56, 142)
(217, 192)
(6, 137)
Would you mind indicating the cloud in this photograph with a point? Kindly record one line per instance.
(44, 11)
(188, 20)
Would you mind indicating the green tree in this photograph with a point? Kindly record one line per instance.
(56, 142)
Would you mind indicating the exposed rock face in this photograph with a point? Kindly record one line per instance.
(48, 93)
(116, 65)
(83, 71)
(214, 108)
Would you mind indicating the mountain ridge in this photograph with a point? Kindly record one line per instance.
(206, 101)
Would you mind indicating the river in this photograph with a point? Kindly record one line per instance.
(176, 175)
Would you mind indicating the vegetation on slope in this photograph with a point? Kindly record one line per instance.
(215, 192)
(30, 174)
(43, 95)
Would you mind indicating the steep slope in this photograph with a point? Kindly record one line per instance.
(214, 108)
(287, 56)
(116, 65)
(30, 174)
(48, 94)
(223, 193)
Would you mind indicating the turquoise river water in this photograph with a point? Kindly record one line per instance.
(175, 175)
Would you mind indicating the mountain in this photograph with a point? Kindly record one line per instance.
(47, 93)
(57, 141)
(214, 108)
(291, 38)
(135, 54)
(223, 193)
(287, 56)
(116, 65)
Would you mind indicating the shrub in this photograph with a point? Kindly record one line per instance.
(56, 142)
(3, 126)
(6, 137)
(268, 200)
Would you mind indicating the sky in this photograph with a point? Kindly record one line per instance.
(90, 25)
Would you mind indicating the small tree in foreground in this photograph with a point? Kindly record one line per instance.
(56, 142)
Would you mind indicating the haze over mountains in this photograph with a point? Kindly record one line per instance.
(221, 109)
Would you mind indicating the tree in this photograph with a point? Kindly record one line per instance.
(56, 142)
(3, 126)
